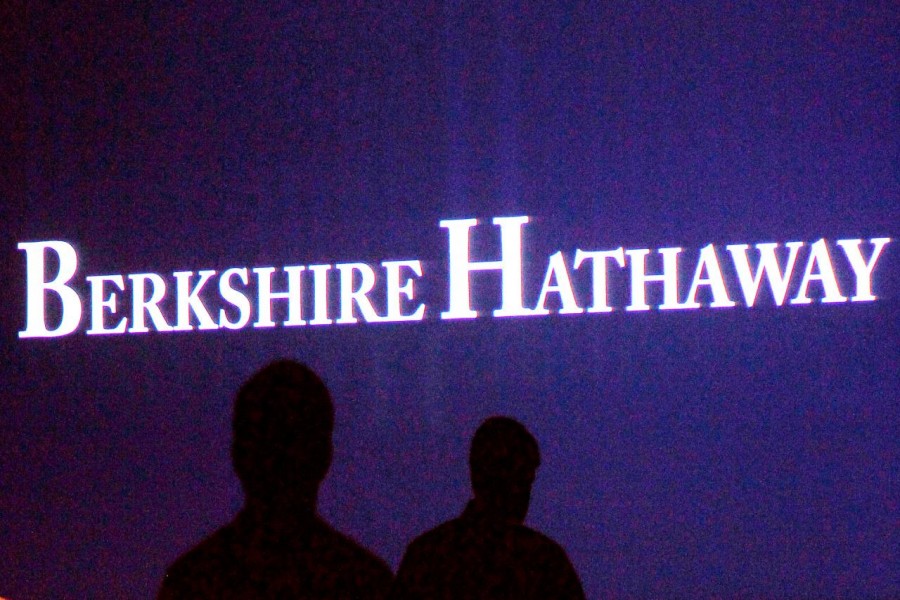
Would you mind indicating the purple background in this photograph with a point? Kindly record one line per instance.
(728, 452)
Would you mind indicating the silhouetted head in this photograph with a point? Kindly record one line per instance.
(503, 461)
(283, 419)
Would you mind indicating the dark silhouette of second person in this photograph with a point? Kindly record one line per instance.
(487, 552)
(277, 546)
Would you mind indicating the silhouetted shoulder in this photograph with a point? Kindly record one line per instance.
(206, 569)
(238, 562)
(474, 558)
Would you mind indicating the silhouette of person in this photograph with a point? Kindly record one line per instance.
(277, 546)
(487, 552)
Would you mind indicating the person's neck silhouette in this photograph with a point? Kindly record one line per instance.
(278, 547)
(487, 552)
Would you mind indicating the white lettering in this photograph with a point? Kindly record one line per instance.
(394, 290)
(710, 262)
(188, 300)
(36, 289)
(862, 269)
(601, 303)
(196, 307)
(266, 295)
(819, 258)
(359, 296)
(768, 264)
(235, 298)
(639, 279)
(510, 266)
(320, 287)
(556, 269)
(98, 303)
(140, 304)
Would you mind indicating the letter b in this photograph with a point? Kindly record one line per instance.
(37, 288)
